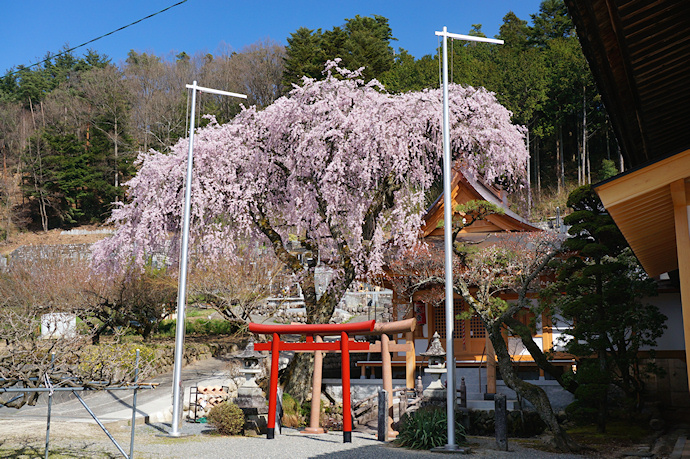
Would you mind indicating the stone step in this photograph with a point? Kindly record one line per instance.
(488, 405)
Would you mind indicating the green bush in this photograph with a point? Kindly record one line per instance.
(591, 393)
(227, 418)
(209, 327)
(292, 414)
(427, 428)
(116, 361)
(290, 405)
(166, 327)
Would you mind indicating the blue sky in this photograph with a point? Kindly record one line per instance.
(31, 28)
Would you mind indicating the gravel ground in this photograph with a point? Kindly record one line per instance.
(82, 440)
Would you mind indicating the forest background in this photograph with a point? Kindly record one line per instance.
(71, 129)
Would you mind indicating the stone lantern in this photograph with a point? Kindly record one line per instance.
(250, 398)
(250, 363)
(437, 366)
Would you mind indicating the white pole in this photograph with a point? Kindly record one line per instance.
(448, 245)
(184, 251)
(448, 235)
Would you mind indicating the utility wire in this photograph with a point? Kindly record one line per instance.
(97, 38)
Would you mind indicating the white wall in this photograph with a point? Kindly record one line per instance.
(670, 306)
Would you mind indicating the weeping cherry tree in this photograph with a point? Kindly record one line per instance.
(338, 164)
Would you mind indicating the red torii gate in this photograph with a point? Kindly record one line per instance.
(344, 345)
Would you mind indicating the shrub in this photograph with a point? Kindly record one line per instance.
(518, 423)
(426, 428)
(227, 418)
(116, 361)
(292, 416)
(209, 327)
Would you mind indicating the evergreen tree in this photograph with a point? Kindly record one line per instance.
(368, 45)
(598, 291)
(408, 74)
(514, 31)
(551, 22)
(304, 56)
(360, 42)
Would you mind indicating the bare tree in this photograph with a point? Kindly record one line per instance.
(237, 289)
(11, 120)
(135, 298)
(29, 291)
(158, 103)
(260, 68)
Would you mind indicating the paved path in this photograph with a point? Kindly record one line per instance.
(153, 405)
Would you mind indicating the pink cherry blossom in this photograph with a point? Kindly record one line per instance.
(341, 164)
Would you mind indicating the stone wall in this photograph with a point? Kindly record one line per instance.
(49, 252)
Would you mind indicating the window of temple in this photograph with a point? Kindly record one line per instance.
(440, 319)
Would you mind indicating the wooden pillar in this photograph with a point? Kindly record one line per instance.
(680, 213)
(387, 374)
(490, 367)
(410, 361)
(316, 392)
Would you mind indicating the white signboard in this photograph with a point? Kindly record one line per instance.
(58, 325)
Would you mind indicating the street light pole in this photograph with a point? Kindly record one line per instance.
(448, 243)
(184, 252)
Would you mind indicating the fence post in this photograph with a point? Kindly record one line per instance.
(134, 405)
(383, 416)
(402, 405)
(50, 401)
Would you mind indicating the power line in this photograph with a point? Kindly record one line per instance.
(97, 38)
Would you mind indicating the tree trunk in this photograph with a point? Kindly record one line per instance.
(115, 141)
(529, 177)
(537, 166)
(296, 378)
(558, 159)
(585, 172)
(561, 175)
(538, 355)
(601, 356)
(603, 401)
(534, 394)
